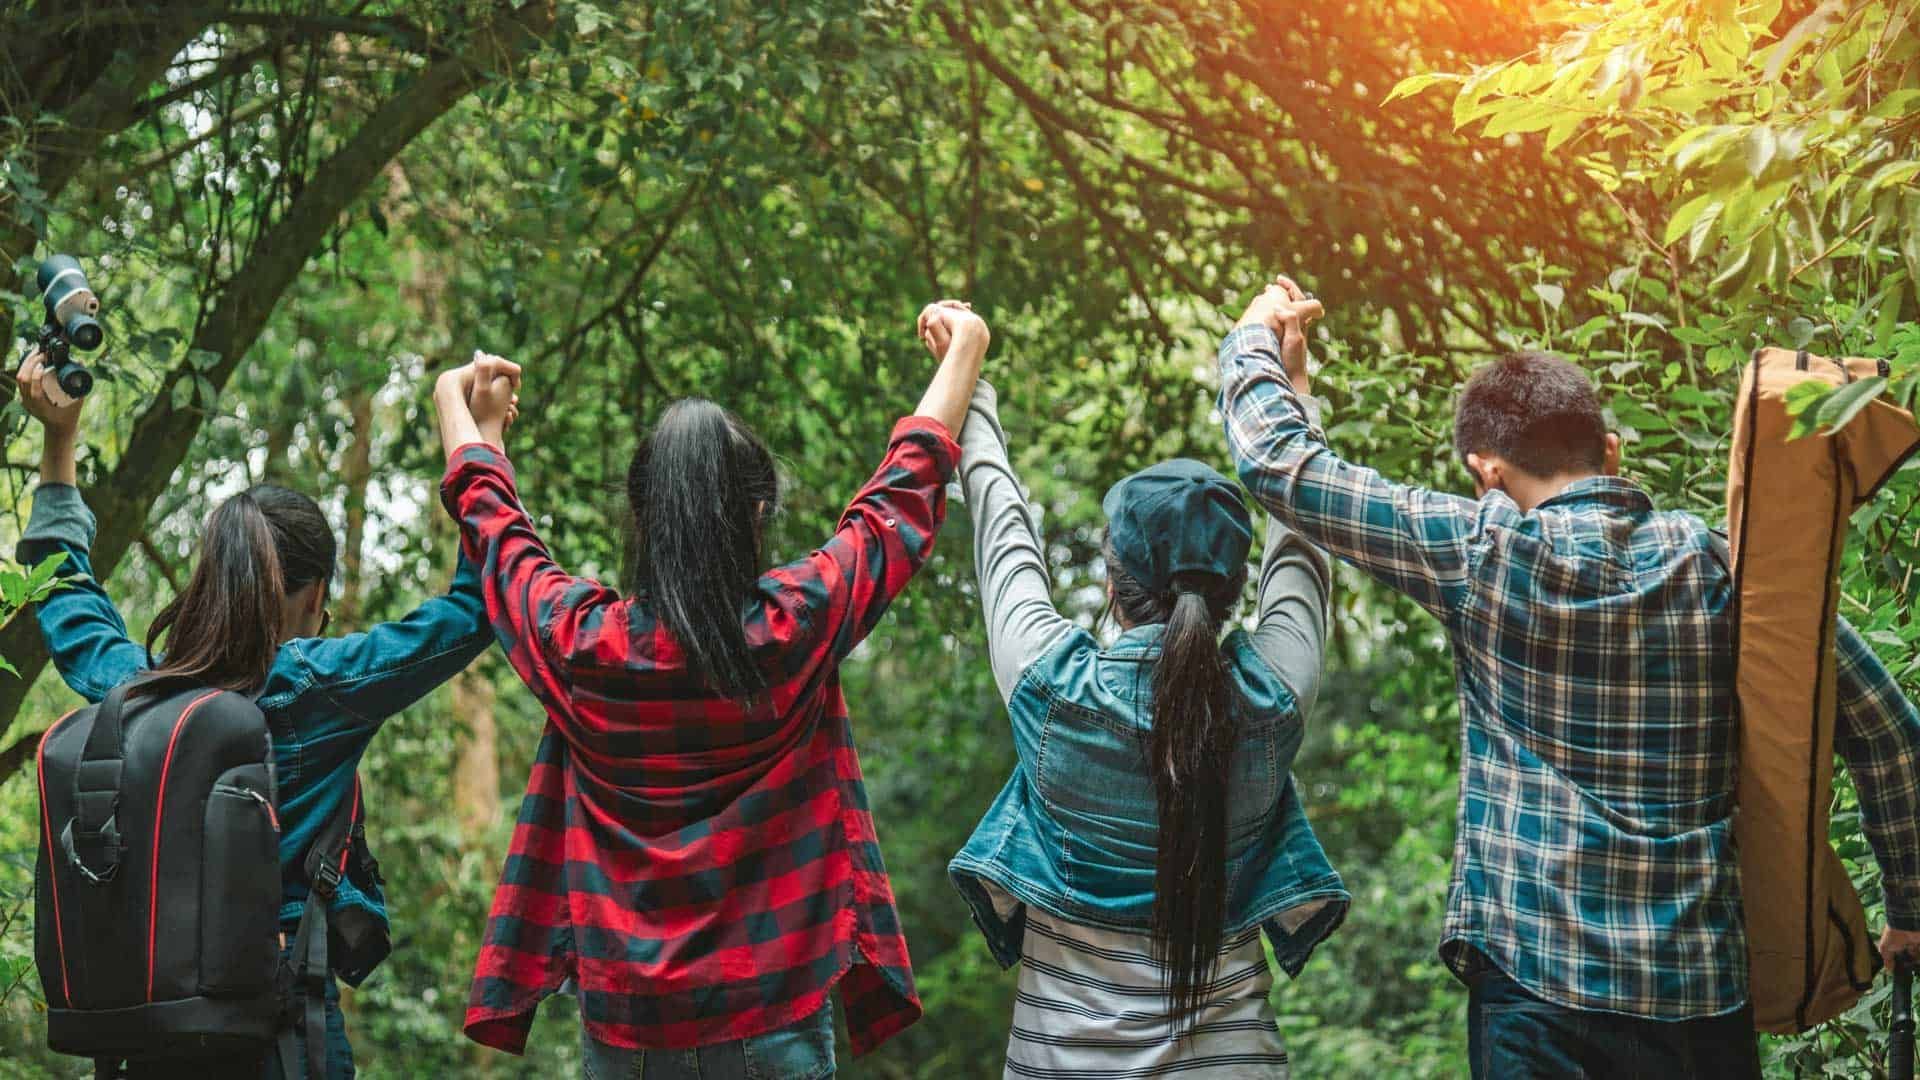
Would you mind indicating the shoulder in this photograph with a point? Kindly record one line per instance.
(1261, 688)
(1065, 669)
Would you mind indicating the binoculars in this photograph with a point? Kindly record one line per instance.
(71, 307)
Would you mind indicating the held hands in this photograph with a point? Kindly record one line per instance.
(481, 397)
(41, 396)
(946, 321)
(1287, 310)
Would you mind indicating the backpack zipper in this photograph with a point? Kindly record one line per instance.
(249, 793)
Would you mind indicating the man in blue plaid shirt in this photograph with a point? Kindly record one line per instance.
(1594, 909)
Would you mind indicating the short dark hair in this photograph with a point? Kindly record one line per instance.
(1535, 409)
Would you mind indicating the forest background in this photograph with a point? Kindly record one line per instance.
(294, 211)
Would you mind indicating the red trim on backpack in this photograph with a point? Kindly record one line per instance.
(160, 815)
(53, 868)
(346, 852)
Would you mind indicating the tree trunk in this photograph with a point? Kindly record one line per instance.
(163, 434)
(476, 771)
(356, 472)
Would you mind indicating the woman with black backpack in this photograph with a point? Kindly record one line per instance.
(250, 620)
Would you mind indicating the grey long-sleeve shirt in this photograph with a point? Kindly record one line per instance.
(1016, 587)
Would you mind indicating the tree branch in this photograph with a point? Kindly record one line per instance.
(238, 314)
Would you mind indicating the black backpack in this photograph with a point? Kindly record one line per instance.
(157, 891)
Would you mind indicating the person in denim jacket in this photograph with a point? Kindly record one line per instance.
(324, 697)
(1151, 830)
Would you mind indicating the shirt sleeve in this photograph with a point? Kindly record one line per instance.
(1008, 558)
(1409, 538)
(1878, 737)
(838, 592)
(372, 675)
(84, 633)
(1290, 632)
(539, 612)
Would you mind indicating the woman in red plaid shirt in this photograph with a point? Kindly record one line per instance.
(694, 850)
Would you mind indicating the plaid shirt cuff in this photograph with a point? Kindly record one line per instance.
(469, 460)
(1248, 353)
(1902, 912)
(946, 451)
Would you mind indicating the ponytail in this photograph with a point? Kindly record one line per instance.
(225, 627)
(702, 486)
(1190, 756)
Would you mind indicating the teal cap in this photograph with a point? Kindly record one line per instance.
(1177, 517)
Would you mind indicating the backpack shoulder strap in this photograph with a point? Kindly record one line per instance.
(304, 976)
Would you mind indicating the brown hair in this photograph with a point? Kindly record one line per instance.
(225, 627)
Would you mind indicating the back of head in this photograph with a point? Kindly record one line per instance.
(1177, 541)
(225, 627)
(1536, 410)
(702, 487)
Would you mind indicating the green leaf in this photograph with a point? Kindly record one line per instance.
(1893, 173)
(1552, 295)
(1845, 403)
(1896, 105)
(1688, 213)
(1413, 84)
(1761, 146)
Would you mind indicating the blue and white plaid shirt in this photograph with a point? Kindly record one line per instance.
(1594, 658)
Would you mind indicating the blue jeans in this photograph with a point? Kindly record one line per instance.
(1514, 1035)
(803, 1051)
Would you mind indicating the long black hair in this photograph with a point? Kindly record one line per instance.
(225, 627)
(1190, 756)
(702, 486)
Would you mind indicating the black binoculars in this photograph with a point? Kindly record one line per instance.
(71, 307)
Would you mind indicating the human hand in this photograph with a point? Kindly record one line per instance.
(1898, 945)
(493, 394)
(41, 396)
(1286, 309)
(944, 321)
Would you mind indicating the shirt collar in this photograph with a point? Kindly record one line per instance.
(1138, 641)
(1605, 490)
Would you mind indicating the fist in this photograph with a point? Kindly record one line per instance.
(1900, 945)
(41, 396)
(493, 392)
(1286, 309)
(945, 321)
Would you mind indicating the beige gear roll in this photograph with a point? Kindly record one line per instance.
(1788, 501)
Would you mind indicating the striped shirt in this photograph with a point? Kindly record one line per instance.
(1092, 1002)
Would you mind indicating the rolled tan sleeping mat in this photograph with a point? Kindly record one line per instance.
(1788, 504)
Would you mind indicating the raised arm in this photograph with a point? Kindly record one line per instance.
(838, 593)
(1409, 538)
(1290, 632)
(1008, 559)
(535, 607)
(371, 675)
(1878, 737)
(83, 631)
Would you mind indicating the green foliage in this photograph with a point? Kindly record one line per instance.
(1782, 149)
(751, 201)
(20, 588)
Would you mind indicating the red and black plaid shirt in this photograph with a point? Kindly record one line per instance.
(704, 872)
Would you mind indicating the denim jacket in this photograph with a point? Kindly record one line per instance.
(1074, 831)
(324, 698)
